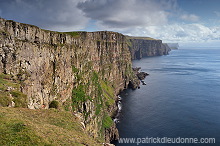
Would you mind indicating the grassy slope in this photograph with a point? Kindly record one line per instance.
(9, 91)
(20, 126)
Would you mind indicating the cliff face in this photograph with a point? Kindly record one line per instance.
(83, 71)
(166, 48)
(143, 47)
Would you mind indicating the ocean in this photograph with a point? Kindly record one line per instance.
(181, 99)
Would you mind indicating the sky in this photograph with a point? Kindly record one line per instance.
(188, 22)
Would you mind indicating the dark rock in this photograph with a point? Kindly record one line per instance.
(142, 75)
(111, 133)
(134, 84)
(136, 69)
(143, 83)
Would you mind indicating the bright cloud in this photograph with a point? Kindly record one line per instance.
(190, 17)
(179, 32)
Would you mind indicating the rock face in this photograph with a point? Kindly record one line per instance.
(166, 48)
(83, 71)
(142, 75)
(144, 46)
(79, 71)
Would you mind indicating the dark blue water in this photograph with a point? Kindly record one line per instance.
(181, 98)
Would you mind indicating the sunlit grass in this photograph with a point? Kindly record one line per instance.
(41, 127)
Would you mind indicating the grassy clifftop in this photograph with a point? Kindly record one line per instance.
(143, 38)
(19, 126)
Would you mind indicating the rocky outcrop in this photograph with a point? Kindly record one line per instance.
(142, 75)
(83, 71)
(145, 46)
(134, 83)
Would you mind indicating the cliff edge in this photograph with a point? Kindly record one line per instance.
(81, 71)
(146, 46)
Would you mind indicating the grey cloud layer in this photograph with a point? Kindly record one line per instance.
(127, 13)
(69, 15)
(49, 14)
(161, 19)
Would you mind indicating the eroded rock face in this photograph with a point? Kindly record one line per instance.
(83, 71)
(143, 47)
(166, 49)
(89, 68)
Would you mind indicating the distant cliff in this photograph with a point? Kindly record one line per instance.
(173, 45)
(145, 46)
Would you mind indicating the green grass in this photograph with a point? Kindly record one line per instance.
(102, 97)
(9, 91)
(20, 127)
(107, 122)
(108, 93)
(7, 81)
(74, 69)
(98, 109)
(67, 105)
(20, 99)
(73, 33)
(143, 38)
(5, 99)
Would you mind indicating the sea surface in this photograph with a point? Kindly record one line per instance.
(181, 98)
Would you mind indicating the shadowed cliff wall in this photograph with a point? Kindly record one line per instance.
(143, 47)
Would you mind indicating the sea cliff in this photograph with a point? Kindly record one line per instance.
(145, 46)
(81, 72)
(173, 45)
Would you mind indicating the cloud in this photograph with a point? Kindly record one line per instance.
(129, 13)
(153, 18)
(148, 18)
(190, 17)
(182, 33)
(217, 13)
(48, 14)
